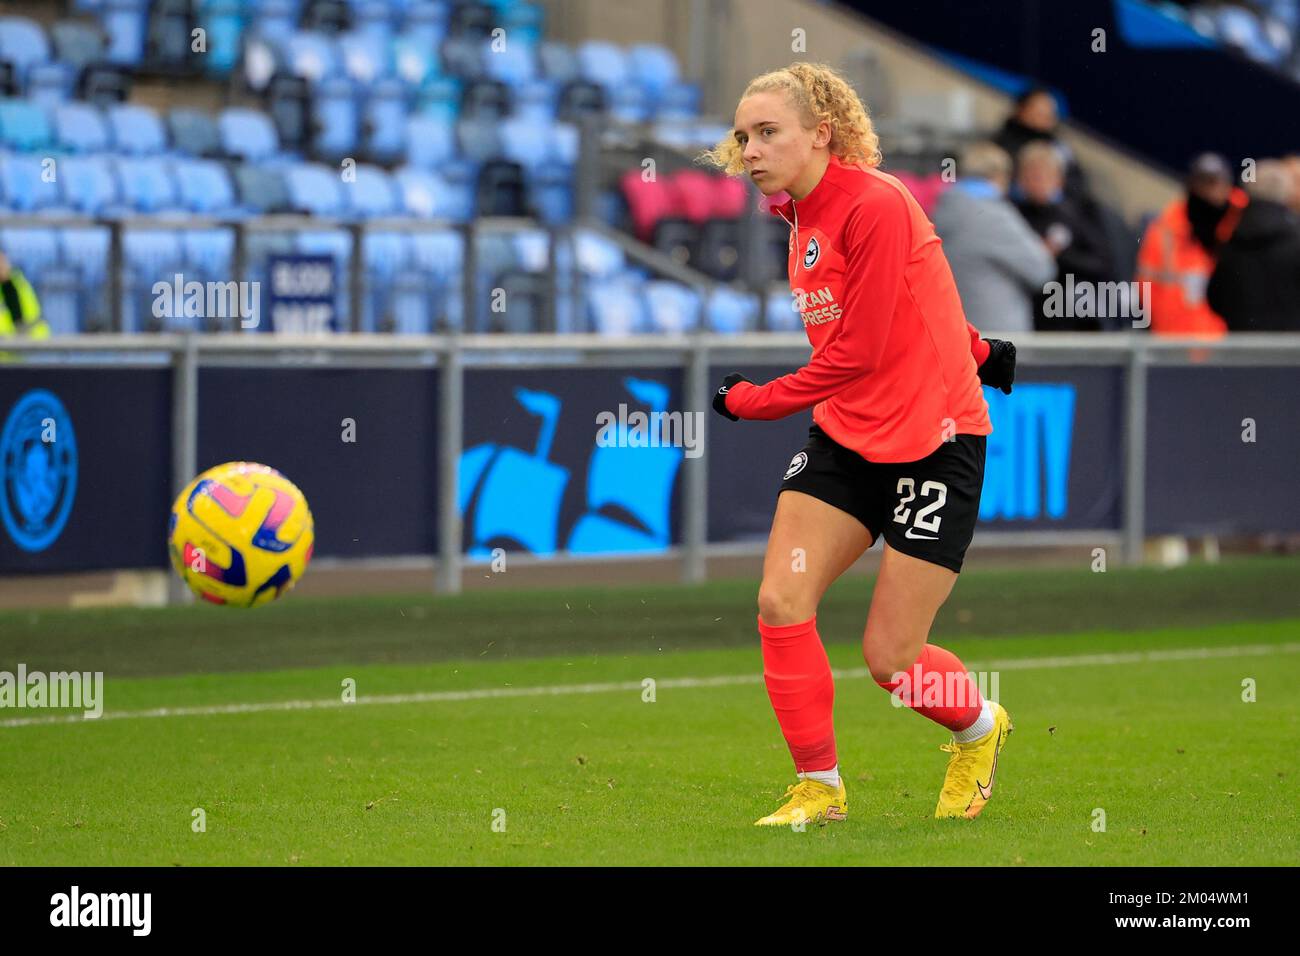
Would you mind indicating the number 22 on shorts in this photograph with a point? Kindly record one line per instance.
(926, 519)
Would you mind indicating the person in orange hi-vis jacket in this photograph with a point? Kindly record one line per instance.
(897, 445)
(1177, 254)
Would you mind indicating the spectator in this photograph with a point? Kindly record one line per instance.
(1074, 239)
(20, 310)
(1035, 120)
(1178, 250)
(1256, 283)
(999, 263)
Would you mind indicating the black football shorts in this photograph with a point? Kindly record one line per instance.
(926, 509)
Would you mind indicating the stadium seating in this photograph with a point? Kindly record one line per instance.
(442, 120)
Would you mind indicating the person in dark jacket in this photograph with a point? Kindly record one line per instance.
(1074, 238)
(1256, 283)
(1036, 120)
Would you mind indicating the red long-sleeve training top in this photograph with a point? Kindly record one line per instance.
(892, 372)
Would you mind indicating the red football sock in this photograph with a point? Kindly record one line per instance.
(938, 686)
(799, 684)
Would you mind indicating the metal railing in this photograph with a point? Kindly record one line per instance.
(694, 353)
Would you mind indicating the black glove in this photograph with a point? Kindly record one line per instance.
(720, 397)
(999, 369)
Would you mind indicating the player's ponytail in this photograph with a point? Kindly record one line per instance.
(817, 92)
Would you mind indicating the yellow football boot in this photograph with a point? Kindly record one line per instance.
(810, 802)
(968, 783)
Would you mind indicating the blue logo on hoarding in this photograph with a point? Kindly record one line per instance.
(38, 470)
(1027, 468)
(515, 494)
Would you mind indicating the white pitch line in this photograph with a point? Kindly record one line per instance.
(670, 683)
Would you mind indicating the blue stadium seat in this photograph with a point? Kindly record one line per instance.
(439, 252)
(515, 64)
(90, 185)
(463, 57)
(609, 67)
(261, 188)
(210, 253)
(205, 187)
(524, 21)
(674, 308)
(85, 253)
(51, 83)
(559, 62)
(415, 59)
(147, 185)
(616, 307)
(313, 56)
(23, 44)
(364, 56)
(80, 127)
(552, 200)
(78, 45)
(430, 141)
(480, 140)
(373, 194)
(223, 21)
(653, 66)
(431, 294)
(603, 62)
(782, 315)
(87, 248)
(423, 193)
(168, 36)
(193, 132)
(150, 256)
(426, 22)
(681, 101)
(376, 17)
(655, 69)
(24, 125)
(334, 110)
(531, 249)
(597, 256)
(549, 152)
(385, 121)
(731, 312)
(275, 19)
(25, 186)
(384, 256)
(33, 250)
(485, 99)
(314, 188)
(137, 129)
(439, 97)
(247, 134)
(536, 99)
(262, 60)
(125, 21)
(537, 143)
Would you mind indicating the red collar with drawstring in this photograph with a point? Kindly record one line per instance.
(836, 180)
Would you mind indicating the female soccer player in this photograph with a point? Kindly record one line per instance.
(897, 445)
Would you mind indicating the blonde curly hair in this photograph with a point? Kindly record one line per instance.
(817, 92)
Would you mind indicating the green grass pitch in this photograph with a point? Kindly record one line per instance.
(574, 766)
